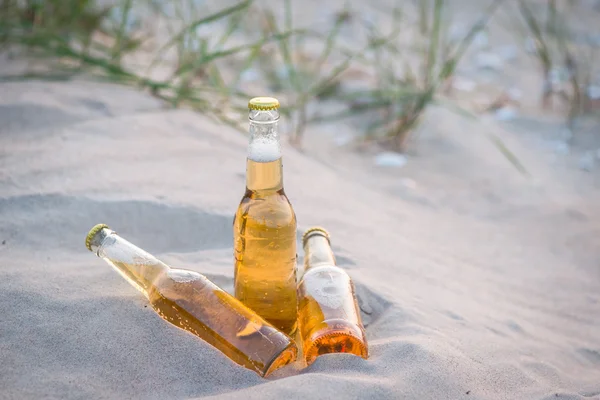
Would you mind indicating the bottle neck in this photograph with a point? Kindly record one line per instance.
(317, 252)
(264, 169)
(264, 177)
(137, 266)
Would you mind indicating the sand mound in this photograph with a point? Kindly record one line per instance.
(474, 305)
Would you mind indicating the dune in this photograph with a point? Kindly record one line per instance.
(462, 298)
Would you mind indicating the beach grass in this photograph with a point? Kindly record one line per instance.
(201, 57)
(566, 57)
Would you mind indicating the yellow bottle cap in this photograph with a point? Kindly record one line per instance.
(263, 103)
(92, 233)
(312, 230)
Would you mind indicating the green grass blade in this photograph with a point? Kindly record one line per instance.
(354, 111)
(532, 23)
(120, 36)
(284, 47)
(450, 64)
(232, 26)
(193, 25)
(329, 43)
(510, 156)
(193, 66)
(498, 143)
(254, 54)
(434, 40)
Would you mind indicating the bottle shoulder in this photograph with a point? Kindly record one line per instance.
(270, 196)
(273, 207)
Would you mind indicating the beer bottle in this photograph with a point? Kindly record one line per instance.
(264, 226)
(190, 301)
(329, 316)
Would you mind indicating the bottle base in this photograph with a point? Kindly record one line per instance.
(284, 358)
(335, 341)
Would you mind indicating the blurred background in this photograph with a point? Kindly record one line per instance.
(472, 106)
(374, 68)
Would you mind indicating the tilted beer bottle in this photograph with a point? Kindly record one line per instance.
(329, 316)
(264, 226)
(190, 301)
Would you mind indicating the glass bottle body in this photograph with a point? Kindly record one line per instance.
(329, 316)
(264, 229)
(190, 301)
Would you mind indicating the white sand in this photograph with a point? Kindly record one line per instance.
(474, 283)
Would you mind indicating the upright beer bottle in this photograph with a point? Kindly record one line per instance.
(264, 226)
(190, 301)
(329, 316)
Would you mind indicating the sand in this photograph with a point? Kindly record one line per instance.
(474, 281)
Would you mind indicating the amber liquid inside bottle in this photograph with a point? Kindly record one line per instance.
(264, 230)
(328, 315)
(190, 301)
(265, 247)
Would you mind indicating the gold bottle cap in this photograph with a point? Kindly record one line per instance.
(310, 231)
(92, 233)
(263, 103)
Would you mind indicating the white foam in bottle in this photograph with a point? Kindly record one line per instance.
(264, 149)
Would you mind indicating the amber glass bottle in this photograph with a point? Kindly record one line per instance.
(190, 301)
(329, 316)
(264, 227)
